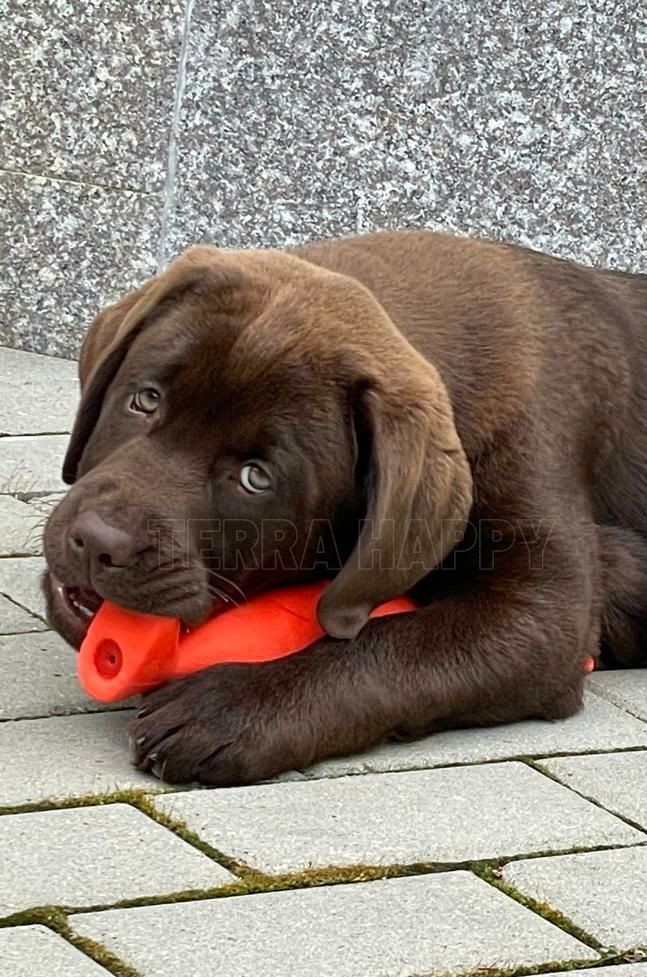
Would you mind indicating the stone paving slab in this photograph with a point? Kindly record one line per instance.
(398, 818)
(43, 678)
(20, 579)
(603, 892)
(39, 393)
(90, 856)
(397, 928)
(20, 527)
(32, 464)
(15, 620)
(626, 689)
(599, 726)
(34, 951)
(66, 756)
(618, 781)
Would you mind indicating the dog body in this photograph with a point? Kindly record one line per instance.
(400, 412)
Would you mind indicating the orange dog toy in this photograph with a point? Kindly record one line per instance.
(125, 652)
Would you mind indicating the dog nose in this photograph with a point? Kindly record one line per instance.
(92, 538)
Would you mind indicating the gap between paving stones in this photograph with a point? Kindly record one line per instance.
(55, 920)
(56, 917)
(254, 882)
(19, 555)
(495, 878)
(592, 966)
(517, 757)
(27, 610)
(34, 434)
(536, 764)
(108, 707)
(530, 760)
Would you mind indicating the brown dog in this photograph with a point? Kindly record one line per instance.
(401, 412)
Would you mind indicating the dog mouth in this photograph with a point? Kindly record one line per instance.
(71, 608)
(82, 602)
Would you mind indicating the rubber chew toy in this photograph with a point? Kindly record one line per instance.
(125, 652)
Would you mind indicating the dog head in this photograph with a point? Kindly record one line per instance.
(248, 419)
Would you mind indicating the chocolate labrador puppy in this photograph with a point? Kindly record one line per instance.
(399, 412)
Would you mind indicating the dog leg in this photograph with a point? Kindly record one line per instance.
(512, 647)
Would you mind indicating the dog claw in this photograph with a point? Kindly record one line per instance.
(158, 770)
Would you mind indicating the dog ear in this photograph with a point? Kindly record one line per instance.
(419, 492)
(103, 329)
(115, 328)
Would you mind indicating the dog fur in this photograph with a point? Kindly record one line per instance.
(462, 420)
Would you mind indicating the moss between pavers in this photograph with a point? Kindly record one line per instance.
(250, 881)
(130, 795)
(493, 876)
(632, 956)
(55, 919)
(548, 968)
(609, 956)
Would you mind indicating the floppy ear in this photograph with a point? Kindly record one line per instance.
(419, 498)
(114, 330)
(103, 329)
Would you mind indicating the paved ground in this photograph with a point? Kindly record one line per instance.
(521, 849)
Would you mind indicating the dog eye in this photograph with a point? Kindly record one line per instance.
(254, 479)
(145, 401)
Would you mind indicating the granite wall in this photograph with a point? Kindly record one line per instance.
(130, 128)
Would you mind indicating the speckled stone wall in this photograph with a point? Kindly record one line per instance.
(130, 129)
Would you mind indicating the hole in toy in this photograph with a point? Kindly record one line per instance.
(108, 659)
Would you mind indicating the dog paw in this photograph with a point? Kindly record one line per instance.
(227, 725)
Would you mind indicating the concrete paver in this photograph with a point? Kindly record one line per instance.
(398, 928)
(626, 689)
(43, 677)
(603, 892)
(599, 726)
(20, 579)
(15, 620)
(88, 856)
(35, 951)
(66, 756)
(400, 818)
(618, 781)
(32, 464)
(39, 393)
(20, 527)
